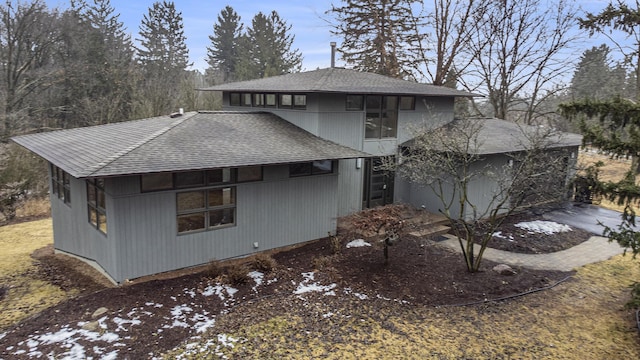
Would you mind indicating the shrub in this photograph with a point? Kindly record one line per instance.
(335, 244)
(238, 274)
(264, 263)
(213, 269)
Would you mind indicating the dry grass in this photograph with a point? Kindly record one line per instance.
(613, 170)
(26, 294)
(583, 318)
(37, 207)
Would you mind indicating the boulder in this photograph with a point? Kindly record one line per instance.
(99, 312)
(504, 269)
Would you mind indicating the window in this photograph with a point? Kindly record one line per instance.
(311, 168)
(299, 101)
(407, 103)
(96, 204)
(270, 100)
(355, 102)
(156, 182)
(246, 99)
(286, 100)
(205, 209)
(258, 100)
(200, 178)
(61, 184)
(234, 99)
(381, 117)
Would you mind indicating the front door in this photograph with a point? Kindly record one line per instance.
(378, 184)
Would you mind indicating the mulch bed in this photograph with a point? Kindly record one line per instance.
(418, 273)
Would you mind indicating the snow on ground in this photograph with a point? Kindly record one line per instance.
(357, 243)
(499, 235)
(307, 285)
(543, 227)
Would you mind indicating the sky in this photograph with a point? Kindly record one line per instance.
(309, 23)
(312, 33)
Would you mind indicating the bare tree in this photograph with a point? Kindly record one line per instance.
(519, 50)
(451, 163)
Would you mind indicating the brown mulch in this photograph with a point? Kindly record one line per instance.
(419, 273)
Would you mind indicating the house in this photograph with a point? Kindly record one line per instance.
(285, 158)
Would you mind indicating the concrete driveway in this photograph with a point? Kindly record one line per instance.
(586, 217)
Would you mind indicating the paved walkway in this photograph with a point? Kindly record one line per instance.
(596, 249)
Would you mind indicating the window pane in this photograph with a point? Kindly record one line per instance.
(222, 217)
(258, 99)
(300, 101)
(407, 103)
(219, 176)
(191, 222)
(234, 99)
(391, 102)
(100, 183)
(300, 169)
(355, 102)
(221, 197)
(390, 124)
(91, 193)
(102, 222)
(100, 199)
(270, 99)
(250, 173)
(285, 100)
(372, 126)
(190, 179)
(93, 216)
(322, 167)
(246, 99)
(190, 200)
(374, 102)
(155, 182)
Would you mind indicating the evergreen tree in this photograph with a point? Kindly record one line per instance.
(377, 35)
(265, 49)
(223, 52)
(163, 56)
(596, 78)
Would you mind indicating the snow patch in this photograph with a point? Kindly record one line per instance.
(306, 285)
(357, 243)
(543, 227)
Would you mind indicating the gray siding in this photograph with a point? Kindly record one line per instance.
(276, 212)
(72, 232)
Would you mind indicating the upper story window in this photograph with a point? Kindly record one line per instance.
(355, 102)
(407, 103)
(381, 117)
(200, 178)
(285, 101)
(61, 184)
(318, 167)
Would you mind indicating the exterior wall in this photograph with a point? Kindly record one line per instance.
(72, 232)
(275, 212)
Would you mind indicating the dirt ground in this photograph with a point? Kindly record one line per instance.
(419, 273)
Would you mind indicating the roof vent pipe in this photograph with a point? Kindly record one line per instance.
(333, 54)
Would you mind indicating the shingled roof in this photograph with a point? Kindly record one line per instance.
(339, 80)
(202, 140)
(496, 136)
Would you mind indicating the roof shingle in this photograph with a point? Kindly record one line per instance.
(203, 140)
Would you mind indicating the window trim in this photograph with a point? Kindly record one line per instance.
(61, 184)
(97, 185)
(312, 171)
(207, 209)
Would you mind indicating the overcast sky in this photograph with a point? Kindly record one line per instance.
(307, 18)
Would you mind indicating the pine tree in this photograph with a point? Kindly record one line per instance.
(163, 56)
(223, 52)
(377, 34)
(265, 49)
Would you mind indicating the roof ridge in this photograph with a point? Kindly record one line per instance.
(143, 141)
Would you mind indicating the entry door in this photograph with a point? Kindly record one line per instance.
(378, 184)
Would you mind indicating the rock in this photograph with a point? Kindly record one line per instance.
(91, 326)
(99, 312)
(504, 269)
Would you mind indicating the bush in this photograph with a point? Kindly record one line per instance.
(335, 244)
(213, 269)
(634, 303)
(264, 263)
(238, 274)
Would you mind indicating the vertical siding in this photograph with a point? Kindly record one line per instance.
(276, 212)
(350, 187)
(72, 232)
